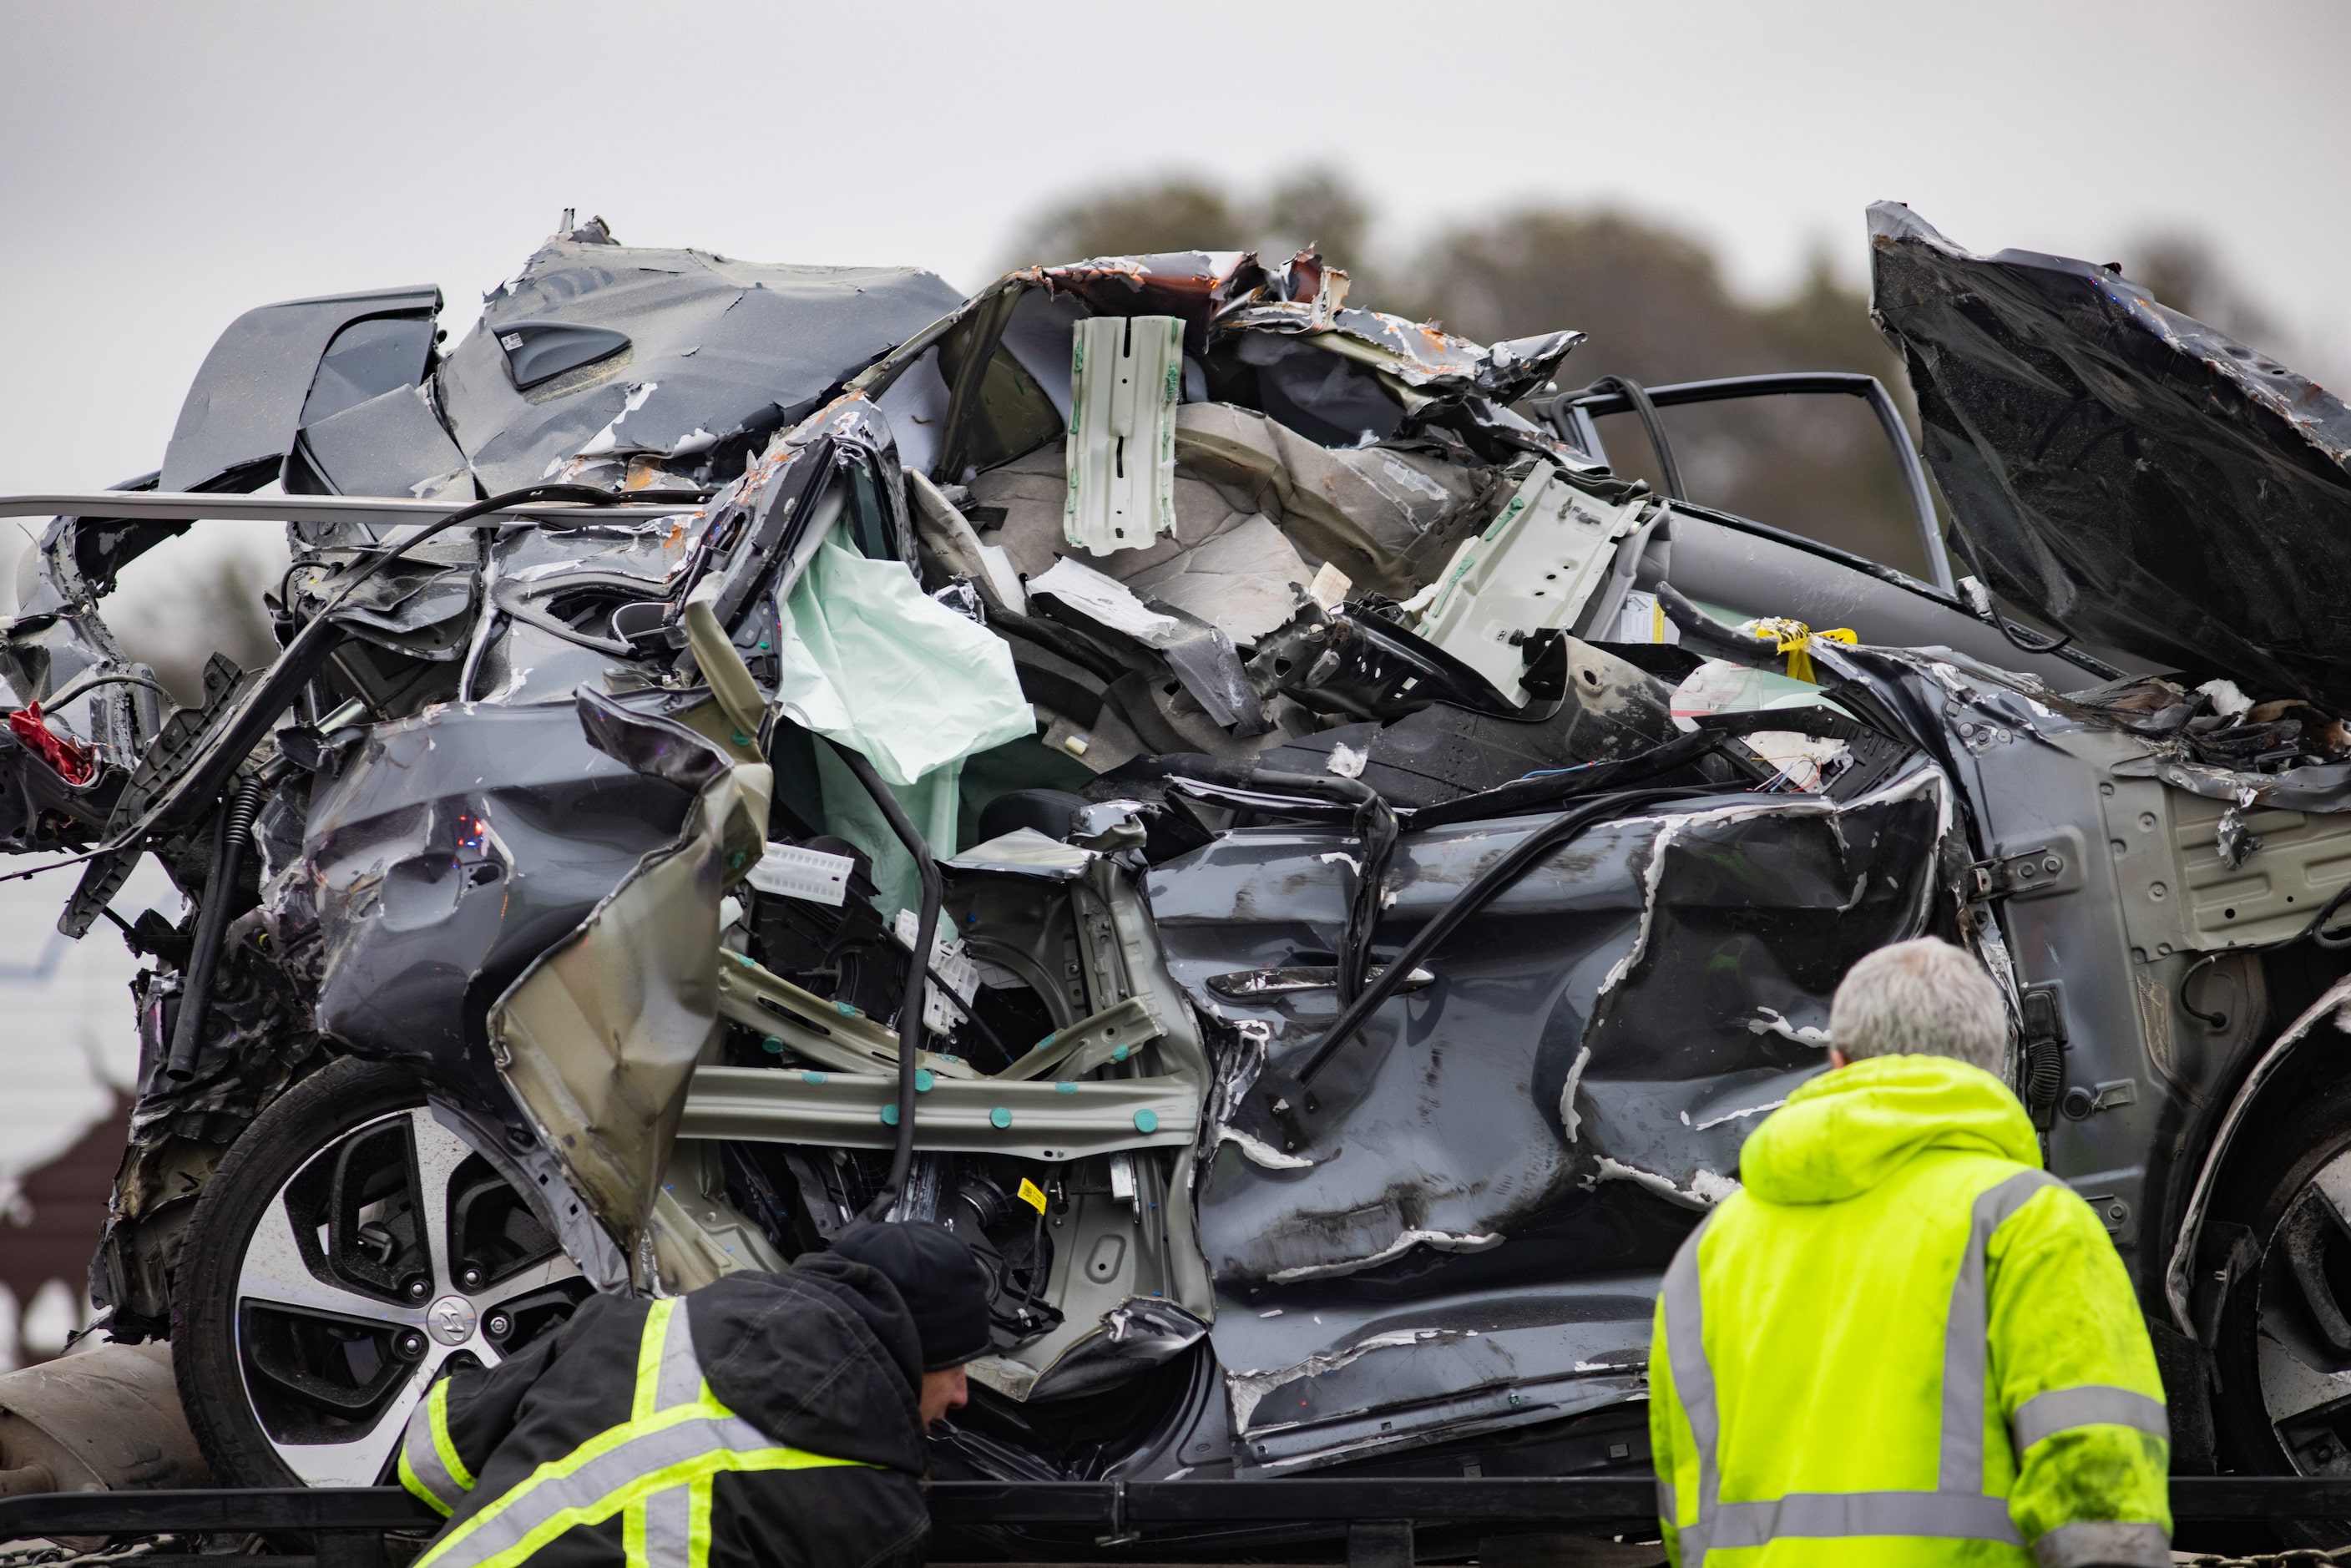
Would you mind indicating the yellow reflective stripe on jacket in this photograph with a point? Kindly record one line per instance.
(656, 1470)
(429, 1466)
(1961, 1508)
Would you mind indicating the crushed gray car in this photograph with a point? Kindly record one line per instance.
(1220, 795)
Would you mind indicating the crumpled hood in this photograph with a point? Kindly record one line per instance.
(1847, 1131)
(2126, 472)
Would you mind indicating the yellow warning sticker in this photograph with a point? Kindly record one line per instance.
(1032, 1195)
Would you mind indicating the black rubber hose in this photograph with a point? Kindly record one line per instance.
(1703, 633)
(212, 925)
(918, 969)
(1634, 393)
(1516, 863)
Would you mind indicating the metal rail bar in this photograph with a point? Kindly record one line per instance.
(187, 507)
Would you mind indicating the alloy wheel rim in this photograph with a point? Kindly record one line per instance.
(393, 1252)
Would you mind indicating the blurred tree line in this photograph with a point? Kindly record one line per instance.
(1655, 307)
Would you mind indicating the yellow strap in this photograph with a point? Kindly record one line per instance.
(1794, 640)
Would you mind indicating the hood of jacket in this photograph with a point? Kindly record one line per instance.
(1847, 1131)
(822, 1356)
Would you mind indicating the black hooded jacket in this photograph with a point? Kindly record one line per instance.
(822, 1358)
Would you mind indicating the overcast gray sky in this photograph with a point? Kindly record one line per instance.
(167, 166)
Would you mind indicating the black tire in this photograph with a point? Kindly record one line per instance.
(312, 1309)
(2285, 1326)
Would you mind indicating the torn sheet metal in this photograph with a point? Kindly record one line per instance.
(2126, 472)
(281, 367)
(721, 355)
(598, 1038)
(1202, 657)
(1622, 917)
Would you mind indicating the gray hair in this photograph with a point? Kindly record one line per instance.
(1921, 998)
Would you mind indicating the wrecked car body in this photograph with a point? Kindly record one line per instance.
(1221, 796)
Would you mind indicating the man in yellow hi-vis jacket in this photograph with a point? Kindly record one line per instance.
(1904, 1342)
(765, 1421)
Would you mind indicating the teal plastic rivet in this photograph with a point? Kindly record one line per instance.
(763, 647)
(735, 861)
(1147, 1121)
(1047, 1041)
(773, 1045)
(1000, 1117)
(745, 960)
(1119, 1055)
(741, 738)
(843, 1009)
(813, 1076)
(889, 1115)
(1065, 1087)
(948, 1056)
(923, 1081)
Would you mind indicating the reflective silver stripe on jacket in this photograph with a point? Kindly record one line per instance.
(2090, 1405)
(1967, 1336)
(1952, 1516)
(1959, 1509)
(680, 1379)
(2102, 1543)
(660, 1528)
(574, 1496)
(422, 1470)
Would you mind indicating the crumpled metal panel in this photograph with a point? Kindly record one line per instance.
(1533, 1070)
(454, 846)
(598, 1038)
(1545, 1118)
(1219, 292)
(248, 398)
(722, 353)
(2127, 472)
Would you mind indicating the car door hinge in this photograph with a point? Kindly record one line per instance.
(2035, 873)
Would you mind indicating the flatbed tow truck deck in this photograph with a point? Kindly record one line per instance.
(1370, 1522)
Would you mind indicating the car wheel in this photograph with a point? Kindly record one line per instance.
(347, 1248)
(2284, 1405)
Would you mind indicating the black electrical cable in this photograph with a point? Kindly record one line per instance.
(1633, 393)
(211, 925)
(2314, 932)
(918, 968)
(1515, 863)
(1956, 543)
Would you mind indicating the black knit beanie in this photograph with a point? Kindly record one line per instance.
(943, 1285)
